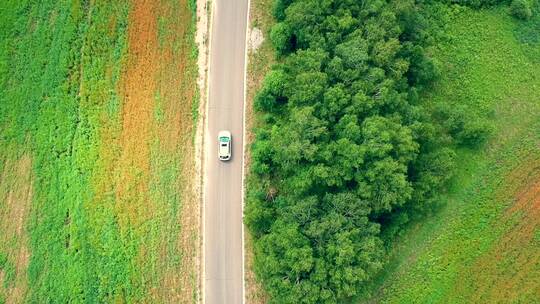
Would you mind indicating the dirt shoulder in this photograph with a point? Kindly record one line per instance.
(260, 60)
(202, 42)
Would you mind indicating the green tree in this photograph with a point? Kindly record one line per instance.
(278, 8)
(345, 147)
(521, 9)
(282, 38)
(271, 95)
(283, 258)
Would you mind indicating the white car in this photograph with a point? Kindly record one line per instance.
(224, 145)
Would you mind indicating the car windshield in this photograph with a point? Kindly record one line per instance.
(224, 139)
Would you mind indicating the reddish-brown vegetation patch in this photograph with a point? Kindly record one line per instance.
(510, 270)
(155, 160)
(175, 88)
(16, 193)
(138, 87)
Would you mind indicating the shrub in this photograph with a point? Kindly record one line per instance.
(281, 38)
(474, 132)
(467, 129)
(271, 92)
(279, 7)
(521, 9)
(3, 260)
(423, 70)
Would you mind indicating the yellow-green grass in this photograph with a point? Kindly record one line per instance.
(473, 250)
(90, 234)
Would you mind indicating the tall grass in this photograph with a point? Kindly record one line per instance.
(61, 63)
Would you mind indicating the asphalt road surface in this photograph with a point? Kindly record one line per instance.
(223, 192)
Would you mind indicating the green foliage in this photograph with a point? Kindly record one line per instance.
(279, 7)
(474, 132)
(423, 70)
(281, 38)
(77, 253)
(3, 260)
(272, 91)
(473, 248)
(529, 32)
(476, 3)
(521, 9)
(8, 269)
(467, 128)
(60, 65)
(343, 145)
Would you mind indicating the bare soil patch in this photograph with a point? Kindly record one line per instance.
(256, 38)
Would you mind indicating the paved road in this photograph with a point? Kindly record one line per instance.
(223, 192)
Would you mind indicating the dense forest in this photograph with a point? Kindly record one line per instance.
(345, 151)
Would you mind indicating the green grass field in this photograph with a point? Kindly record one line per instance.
(83, 218)
(483, 245)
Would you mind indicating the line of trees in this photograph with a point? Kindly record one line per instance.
(521, 9)
(346, 152)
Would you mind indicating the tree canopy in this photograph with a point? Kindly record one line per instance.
(345, 146)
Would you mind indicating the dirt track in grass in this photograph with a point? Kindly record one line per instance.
(16, 186)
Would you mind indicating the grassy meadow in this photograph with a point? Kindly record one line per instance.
(96, 152)
(483, 245)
